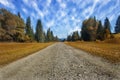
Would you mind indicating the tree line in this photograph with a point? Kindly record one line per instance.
(93, 30)
(13, 28)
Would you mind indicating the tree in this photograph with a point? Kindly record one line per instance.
(49, 36)
(117, 27)
(12, 27)
(56, 38)
(89, 29)
(19, 15)
(100, 31)
(39, 35)
(107, 24)
(28, 29)
(52, 36)
(107, 31)
(75, 36)
(69, 38)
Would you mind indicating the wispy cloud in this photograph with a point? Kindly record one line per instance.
(25, 10)
(7, 3)
(65, 16)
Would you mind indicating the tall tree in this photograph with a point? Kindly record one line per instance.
(56, 38)
(75, 36)
(117, 27)
(89, 29)
(52, 36)
(19, 15)
(107, 24)
(12, 27)
(100, 31)
(39, 35)
(107, 31)
(49, 36)
(28, 29)
(69, 38)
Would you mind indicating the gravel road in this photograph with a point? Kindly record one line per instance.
(60, 62)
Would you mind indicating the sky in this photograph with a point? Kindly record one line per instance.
(64, 16)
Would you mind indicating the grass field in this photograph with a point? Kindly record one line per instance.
(10, 52)
(108, 51)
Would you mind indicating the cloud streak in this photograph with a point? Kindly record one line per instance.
(7, 3)
(65, 16)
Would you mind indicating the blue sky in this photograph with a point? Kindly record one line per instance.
(64, 16)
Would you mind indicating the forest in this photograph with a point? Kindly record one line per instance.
(93, 30)
(14, 29)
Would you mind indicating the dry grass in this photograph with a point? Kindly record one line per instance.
(10, 52)
(108, 51)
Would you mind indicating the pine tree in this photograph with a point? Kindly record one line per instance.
(107, 24)
(52, 36)
(117, 27)
(39, 35)
(89, 29)
(75, 36)
(94, 22)
(28, 29)
(19, 15)
(56, 38)
(69, 38)
(49, 36)
(107, 31)
(100, 31)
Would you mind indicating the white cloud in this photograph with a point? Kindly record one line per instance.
(62, 4)
(50, 24)
(25, 10)
(63, 13)
(90, 10)
(39, 12)
(77, 28)
(26, 2)
(7, 3)
(48, 2)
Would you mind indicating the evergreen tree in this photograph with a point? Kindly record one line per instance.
(56, 38)
(49, 36)
(52, 36)
(69, 38)
(89, 29)
(100, 31)
(117, 27)
(19, 15)
(75, 36)
(11, 27)
(39, 35)
(28, 29)
(107, 31)
(107, 24)
(94, 22)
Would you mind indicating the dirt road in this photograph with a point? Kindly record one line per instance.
(60, 62)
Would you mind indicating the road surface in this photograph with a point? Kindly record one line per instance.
(60, 62)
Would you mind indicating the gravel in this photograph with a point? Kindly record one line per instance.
(60, 62)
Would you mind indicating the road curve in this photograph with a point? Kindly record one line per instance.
(60, 62)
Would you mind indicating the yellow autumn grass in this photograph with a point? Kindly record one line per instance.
(10, 52)
(108, 51)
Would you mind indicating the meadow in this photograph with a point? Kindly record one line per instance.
(10, 52)
(109, 51)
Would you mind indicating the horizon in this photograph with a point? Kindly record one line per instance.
(64, 17)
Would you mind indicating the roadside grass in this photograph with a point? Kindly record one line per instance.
(10, 52)
(108, 51)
